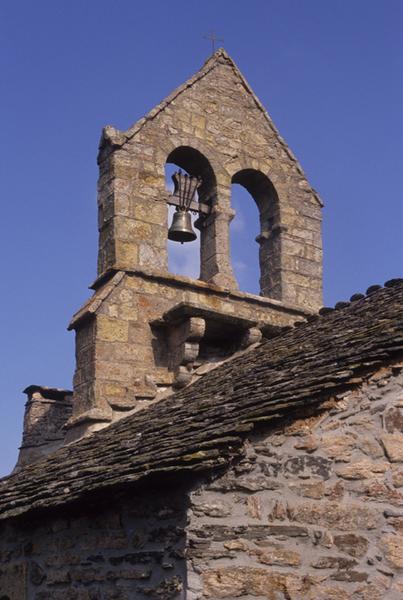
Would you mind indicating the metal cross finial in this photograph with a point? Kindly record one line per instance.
(213, 39)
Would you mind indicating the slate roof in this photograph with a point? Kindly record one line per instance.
(202, 426)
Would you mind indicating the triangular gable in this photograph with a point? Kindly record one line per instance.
(118, 138)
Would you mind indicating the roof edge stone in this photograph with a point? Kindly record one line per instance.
(93, 304)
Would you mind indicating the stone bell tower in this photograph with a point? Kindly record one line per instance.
(146, 331)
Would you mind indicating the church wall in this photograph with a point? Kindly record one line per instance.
(132, 549)
(313, 511)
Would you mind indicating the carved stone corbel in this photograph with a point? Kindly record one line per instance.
(253, 335)
(184, 339)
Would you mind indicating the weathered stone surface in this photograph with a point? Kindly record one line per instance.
(335, 491)
(328, 592)
(350, 576)
(393, 420)
(277, 510)
(13, 579)
(46, 412)
(308, 443)
(303, 427)
(393, 445)
(215, 508)
(397, 477)
(331, 562)
(247, 483)
(219, 533)
(308, 466)
(233, 582)
(58, 577)
(37, 574)
(397, 524)
(371, 447)
(236, 545)
(362, 469)
(315, 490)
(392, 546)
(353, 544)
(112, 330)
(383, 492)
(397, 585)
(93, 552)
(338, 445)
(278, 556)
(254, 507)
(332, 514)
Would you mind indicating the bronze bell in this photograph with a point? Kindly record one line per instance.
(181, 229)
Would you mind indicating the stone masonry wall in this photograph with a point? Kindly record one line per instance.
(122, 362)
(313, 512)
(214, 116)
(132, 549)
(213, 127)
(46, 412)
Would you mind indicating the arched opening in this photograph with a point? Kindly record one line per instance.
(185, 259)
(243, 231)
(182, 259)
(256, 267)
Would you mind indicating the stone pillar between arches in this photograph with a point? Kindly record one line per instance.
(215, 254)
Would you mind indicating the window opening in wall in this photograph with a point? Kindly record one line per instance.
(182, 259)
(243, 231)
(192, 258)
(258, 220)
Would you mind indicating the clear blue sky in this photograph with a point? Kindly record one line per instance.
(329, 73)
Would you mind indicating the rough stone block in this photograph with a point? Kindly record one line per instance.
(393, 445)
(112, 330)
(127, 254)
(344, 516)
(392, 546)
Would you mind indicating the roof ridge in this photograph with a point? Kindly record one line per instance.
(341, 305)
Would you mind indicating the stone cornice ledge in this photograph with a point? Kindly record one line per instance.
(198, 284)
(106, 282)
